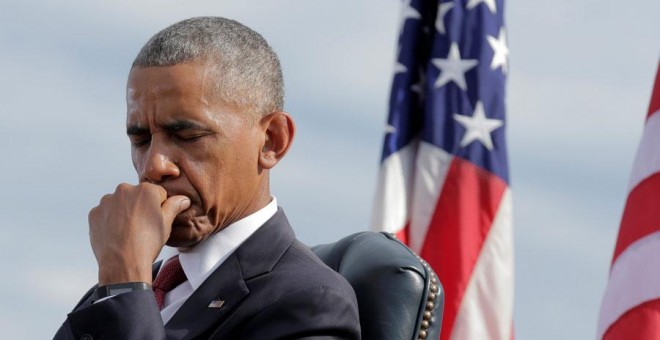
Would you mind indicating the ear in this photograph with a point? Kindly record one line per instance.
(280, 129)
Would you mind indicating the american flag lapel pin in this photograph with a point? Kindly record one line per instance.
(216, 303)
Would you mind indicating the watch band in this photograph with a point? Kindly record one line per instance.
(119, 288)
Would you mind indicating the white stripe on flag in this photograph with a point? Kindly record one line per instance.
(647, 159)
(430, 173)
(487, 307)
(390, 212)
(634, 279)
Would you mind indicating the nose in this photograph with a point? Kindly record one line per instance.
(158, 166)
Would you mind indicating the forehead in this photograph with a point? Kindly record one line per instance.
(166, 81)
(163, 91)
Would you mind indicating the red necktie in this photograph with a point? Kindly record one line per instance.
(170, 276)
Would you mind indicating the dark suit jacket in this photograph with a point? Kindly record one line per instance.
(273, 287)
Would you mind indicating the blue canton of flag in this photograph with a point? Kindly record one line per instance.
(449, 80)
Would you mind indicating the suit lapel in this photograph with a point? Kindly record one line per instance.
(263, 250)
(226, 287)
(196, 315)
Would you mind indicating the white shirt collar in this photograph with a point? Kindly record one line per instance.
(199, 262)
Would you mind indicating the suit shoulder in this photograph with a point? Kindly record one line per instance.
(300, 269)
(302, 297)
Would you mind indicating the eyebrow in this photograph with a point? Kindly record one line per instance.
(134, 130)
(175, 126)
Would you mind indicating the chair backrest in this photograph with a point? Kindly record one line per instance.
(399, 295)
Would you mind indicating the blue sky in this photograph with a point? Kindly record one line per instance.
(580, 80)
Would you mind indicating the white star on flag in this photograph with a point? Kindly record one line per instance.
(453, 68)
(440, 20)
(478, 127)
(490, 3)
(408, 12)
(500, 50)
(400, 68)
(418, 86)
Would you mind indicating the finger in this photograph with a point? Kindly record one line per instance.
(174, 206)
(161, 193)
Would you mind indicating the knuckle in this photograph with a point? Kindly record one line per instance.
(123, 187)
(161, 190)
(104, 200)
(153, 188)
(94, 217)
(92, 213)
(144, 185)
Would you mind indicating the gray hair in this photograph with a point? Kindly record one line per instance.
(248, 72)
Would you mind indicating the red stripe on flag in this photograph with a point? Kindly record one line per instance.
(402, 234)
(655, 96)
(463, 216)
(641, 322)
(640, 216)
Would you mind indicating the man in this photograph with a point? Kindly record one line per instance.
(205, 120)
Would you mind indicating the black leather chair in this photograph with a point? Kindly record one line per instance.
(398, 294)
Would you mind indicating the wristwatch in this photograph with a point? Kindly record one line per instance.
(119, 288)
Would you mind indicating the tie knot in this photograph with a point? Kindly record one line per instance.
(170, 276)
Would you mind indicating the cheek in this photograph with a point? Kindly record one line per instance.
(137, 160)
(207, 179)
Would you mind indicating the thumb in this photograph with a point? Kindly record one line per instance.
(174, 206)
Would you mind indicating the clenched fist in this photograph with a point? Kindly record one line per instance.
(128, 229)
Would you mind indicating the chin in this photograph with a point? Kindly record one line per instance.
(186, 235)
(180, 244)
(180, 238)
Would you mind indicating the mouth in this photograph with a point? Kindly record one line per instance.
(185, 218)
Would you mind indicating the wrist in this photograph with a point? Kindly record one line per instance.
(110, 275)
(119, 288)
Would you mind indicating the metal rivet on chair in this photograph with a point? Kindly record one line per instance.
(429, 305)
(433, 280)
(425, 324)
(432, 296)
(427, 315)
(434, 288)
(422, 334)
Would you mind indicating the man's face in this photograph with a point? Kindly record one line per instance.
(186, 140)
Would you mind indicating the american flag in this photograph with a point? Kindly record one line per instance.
(444, 182)
(631, 305)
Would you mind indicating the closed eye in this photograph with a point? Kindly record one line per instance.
(190, 137)
(186, 131)
(138, 136)
(141, 142)
(178, 131)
